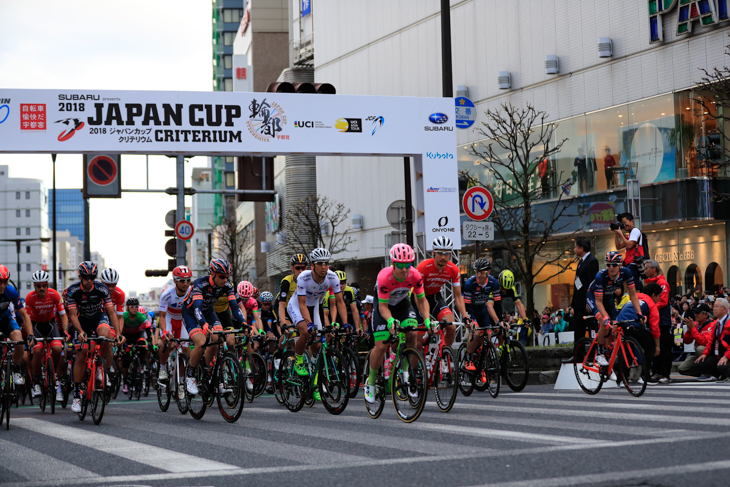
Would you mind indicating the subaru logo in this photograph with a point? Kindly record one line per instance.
(438, 118)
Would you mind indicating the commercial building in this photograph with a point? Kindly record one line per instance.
(69, 211)
(23, 220)
(70, 255)
(616, 78)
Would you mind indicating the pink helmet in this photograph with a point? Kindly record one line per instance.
(401, 252)
(245, 289)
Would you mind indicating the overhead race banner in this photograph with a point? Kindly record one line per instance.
(232, 123)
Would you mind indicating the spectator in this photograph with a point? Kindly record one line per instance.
(584, 275)
(700, 333)
(662, 365)
(633, 246)
(542, 171)
(560, 324)
(620, 297)
(648, 334)
(569, 317)
(546, 326)
(715, 359)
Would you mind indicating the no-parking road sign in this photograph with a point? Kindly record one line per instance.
(477, 203)
(102, 176)
(184, 230)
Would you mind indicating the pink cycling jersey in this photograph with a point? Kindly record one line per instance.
(393, 291)
(251, 305)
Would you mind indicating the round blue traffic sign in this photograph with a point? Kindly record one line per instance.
(184, 230)
(466, 112)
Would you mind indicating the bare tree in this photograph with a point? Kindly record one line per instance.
(519, 140)
(232, 240)
(316, 221)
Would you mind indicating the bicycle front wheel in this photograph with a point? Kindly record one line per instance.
(489, 364)
(375, 409)
(334, 381)
(197, 403)
(466, 381)
(292, 384)
(98, 394)
(51, 384)
(258, 374)
(7, 391)
(408, 385)
(177, 378)
(230, 385)
(354, 371)
(631, 367)
(586, 371)
(132, 373)
(514, 364)
(163, 394)
(445, 380)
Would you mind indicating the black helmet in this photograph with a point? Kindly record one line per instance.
(299, 259)
(88, 269)
(482, 265)
(132, 302)
(221, 267)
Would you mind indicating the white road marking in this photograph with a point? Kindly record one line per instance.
(154, 456)
(35, 465)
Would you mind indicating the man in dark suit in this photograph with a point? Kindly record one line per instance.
(584, 275)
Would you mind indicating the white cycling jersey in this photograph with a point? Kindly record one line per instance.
(315, 292)
(172, 305)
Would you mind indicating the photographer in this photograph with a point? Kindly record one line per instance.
(633, 244)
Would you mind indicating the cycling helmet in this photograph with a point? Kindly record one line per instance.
(181, 272)
(614, 257)
(506, 279)
(320, 255)
(4, 272)
(221, 267)
(109, 276)
(132, 302)
(266, 297)
(401, 252)
(245, 289)
(299, 259)
(40, 276)
(482, 265)
(341, 275)
(442, 243)
(88, 269)
(142, 310)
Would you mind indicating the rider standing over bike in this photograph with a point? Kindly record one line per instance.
(481, 292)
(394, 284)
(436, 272)
(200, 318)
(43, 304)
(9, 327)
(90, 310)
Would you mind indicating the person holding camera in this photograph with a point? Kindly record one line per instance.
(633, 244)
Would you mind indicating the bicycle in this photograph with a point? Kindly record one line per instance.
(286, 343)
(136, 371)
(254, 366)
(443, 374)
(486, 375)
(174, 386)
(48, 376)
(67, 372)
(328, 373)
(93, 385)
(224, 382)
(8, 389)
(405, 382)
(346, 346)
(627, 361)
(514, 364)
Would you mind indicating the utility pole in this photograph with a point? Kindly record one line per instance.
(180, 206)
(53, 229)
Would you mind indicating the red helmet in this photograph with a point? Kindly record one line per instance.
(245, 289)
(401, 252)
(4, 272)
(181, 272)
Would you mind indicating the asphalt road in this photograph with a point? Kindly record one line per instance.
(676, 434)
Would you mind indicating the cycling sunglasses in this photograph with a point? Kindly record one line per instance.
(437, 252)
(613, 265)
(300, 267)
(183, 280)
(41, 286)
(403, 265)
(323, 264)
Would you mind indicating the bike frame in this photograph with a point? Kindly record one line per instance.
(619, 339)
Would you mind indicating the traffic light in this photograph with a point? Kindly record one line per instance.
(171, 250)
(156, 273)
(311, 88)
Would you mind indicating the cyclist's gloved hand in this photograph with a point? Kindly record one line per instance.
(205, 329)
(262, 332)
(346, 326)
(155, 348)
(311, 327)
(391, 322)
(427, 322)
(30, 340)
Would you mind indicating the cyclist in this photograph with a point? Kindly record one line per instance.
(394, 284)
(288, 287)
(348, 294)
(481, 291)
(10, 300)
(42, 305)
(305, 306)
(250, 310)
(436, 272)
(170, 314)
(268, 318)
(507, 289)
(91, 311)
(136, 332)
(199, 317)
(647, 338)
(110, 278)
(603, 305)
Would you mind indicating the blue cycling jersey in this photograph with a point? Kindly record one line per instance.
(10, 296)
(603, 283)
(477, 295)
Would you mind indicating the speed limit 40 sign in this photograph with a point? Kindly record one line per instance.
(184, 230)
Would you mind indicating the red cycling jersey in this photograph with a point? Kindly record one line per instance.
(433, 279)
(44, 310)
(118, 300)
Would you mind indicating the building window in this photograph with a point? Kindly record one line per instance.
(17, 231)
(27, 231)
(27, 285)
(230, 179)
(17, 213)
(232, 14)
(27, 213)
(228, 38)
(27, 267)
(17, 195)
(27, 249)
(228, 84)
(228, 62)
(230, 160)
(27, 195)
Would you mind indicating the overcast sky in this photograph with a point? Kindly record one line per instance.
(130, 45)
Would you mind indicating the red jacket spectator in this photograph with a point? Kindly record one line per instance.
(723, 344)
(653, 314)
(700, 334)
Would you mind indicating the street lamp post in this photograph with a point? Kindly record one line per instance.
(53, 227)
(18, 241)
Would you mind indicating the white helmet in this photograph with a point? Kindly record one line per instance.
(109, 276)
(442, 243)
(40, 276)
(319, 255)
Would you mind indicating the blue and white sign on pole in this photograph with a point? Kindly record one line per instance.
(184, 230)
(306, 7)
(466, 112)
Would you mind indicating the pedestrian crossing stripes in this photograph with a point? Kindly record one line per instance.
(270, 443)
